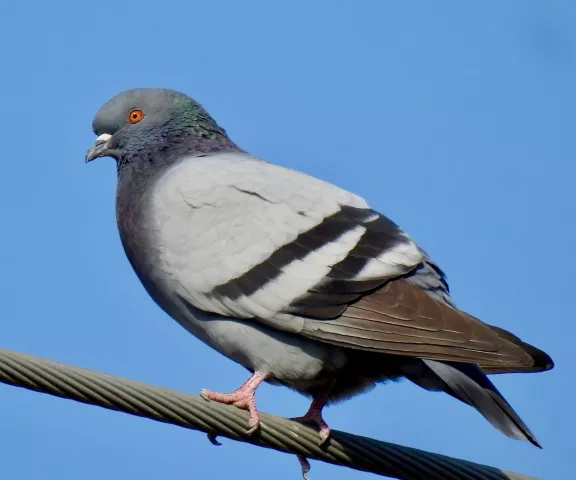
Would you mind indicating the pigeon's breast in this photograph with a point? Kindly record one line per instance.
(159, 231)
(136, 225)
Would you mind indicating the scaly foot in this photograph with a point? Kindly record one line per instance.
(241, 398)
(314, 416)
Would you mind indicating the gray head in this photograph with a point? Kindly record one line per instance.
(141, 123)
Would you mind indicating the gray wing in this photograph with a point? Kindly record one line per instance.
(248, 239)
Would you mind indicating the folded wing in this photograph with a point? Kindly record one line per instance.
(249, 239)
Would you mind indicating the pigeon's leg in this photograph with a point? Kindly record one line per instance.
(314, 415)
(241, 398)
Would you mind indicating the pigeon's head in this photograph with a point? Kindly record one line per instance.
(147, 120)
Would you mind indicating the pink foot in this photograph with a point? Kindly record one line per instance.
(241, 398)
(316, 419)
(314, 416)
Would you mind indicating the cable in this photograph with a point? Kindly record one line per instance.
(215, 419)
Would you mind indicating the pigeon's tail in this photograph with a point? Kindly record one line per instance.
(468, 383)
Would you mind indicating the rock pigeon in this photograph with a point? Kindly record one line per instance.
(297, 280)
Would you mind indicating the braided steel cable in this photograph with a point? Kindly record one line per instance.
(215, 419)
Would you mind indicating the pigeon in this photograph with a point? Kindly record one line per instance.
(297, 280)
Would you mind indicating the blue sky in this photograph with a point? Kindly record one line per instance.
(456, 120)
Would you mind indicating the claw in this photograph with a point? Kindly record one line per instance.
(254, 421)
(305, 464)
(204, 394)
(213, 439)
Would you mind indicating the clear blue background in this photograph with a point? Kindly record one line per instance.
(456, 120)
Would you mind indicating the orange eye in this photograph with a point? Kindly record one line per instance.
(135, 115)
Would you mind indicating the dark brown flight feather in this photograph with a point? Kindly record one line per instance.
(402, 319)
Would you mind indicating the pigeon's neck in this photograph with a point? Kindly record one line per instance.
(151, 155)
(155, 150)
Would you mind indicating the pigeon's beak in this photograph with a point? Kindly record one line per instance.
(99, 148)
